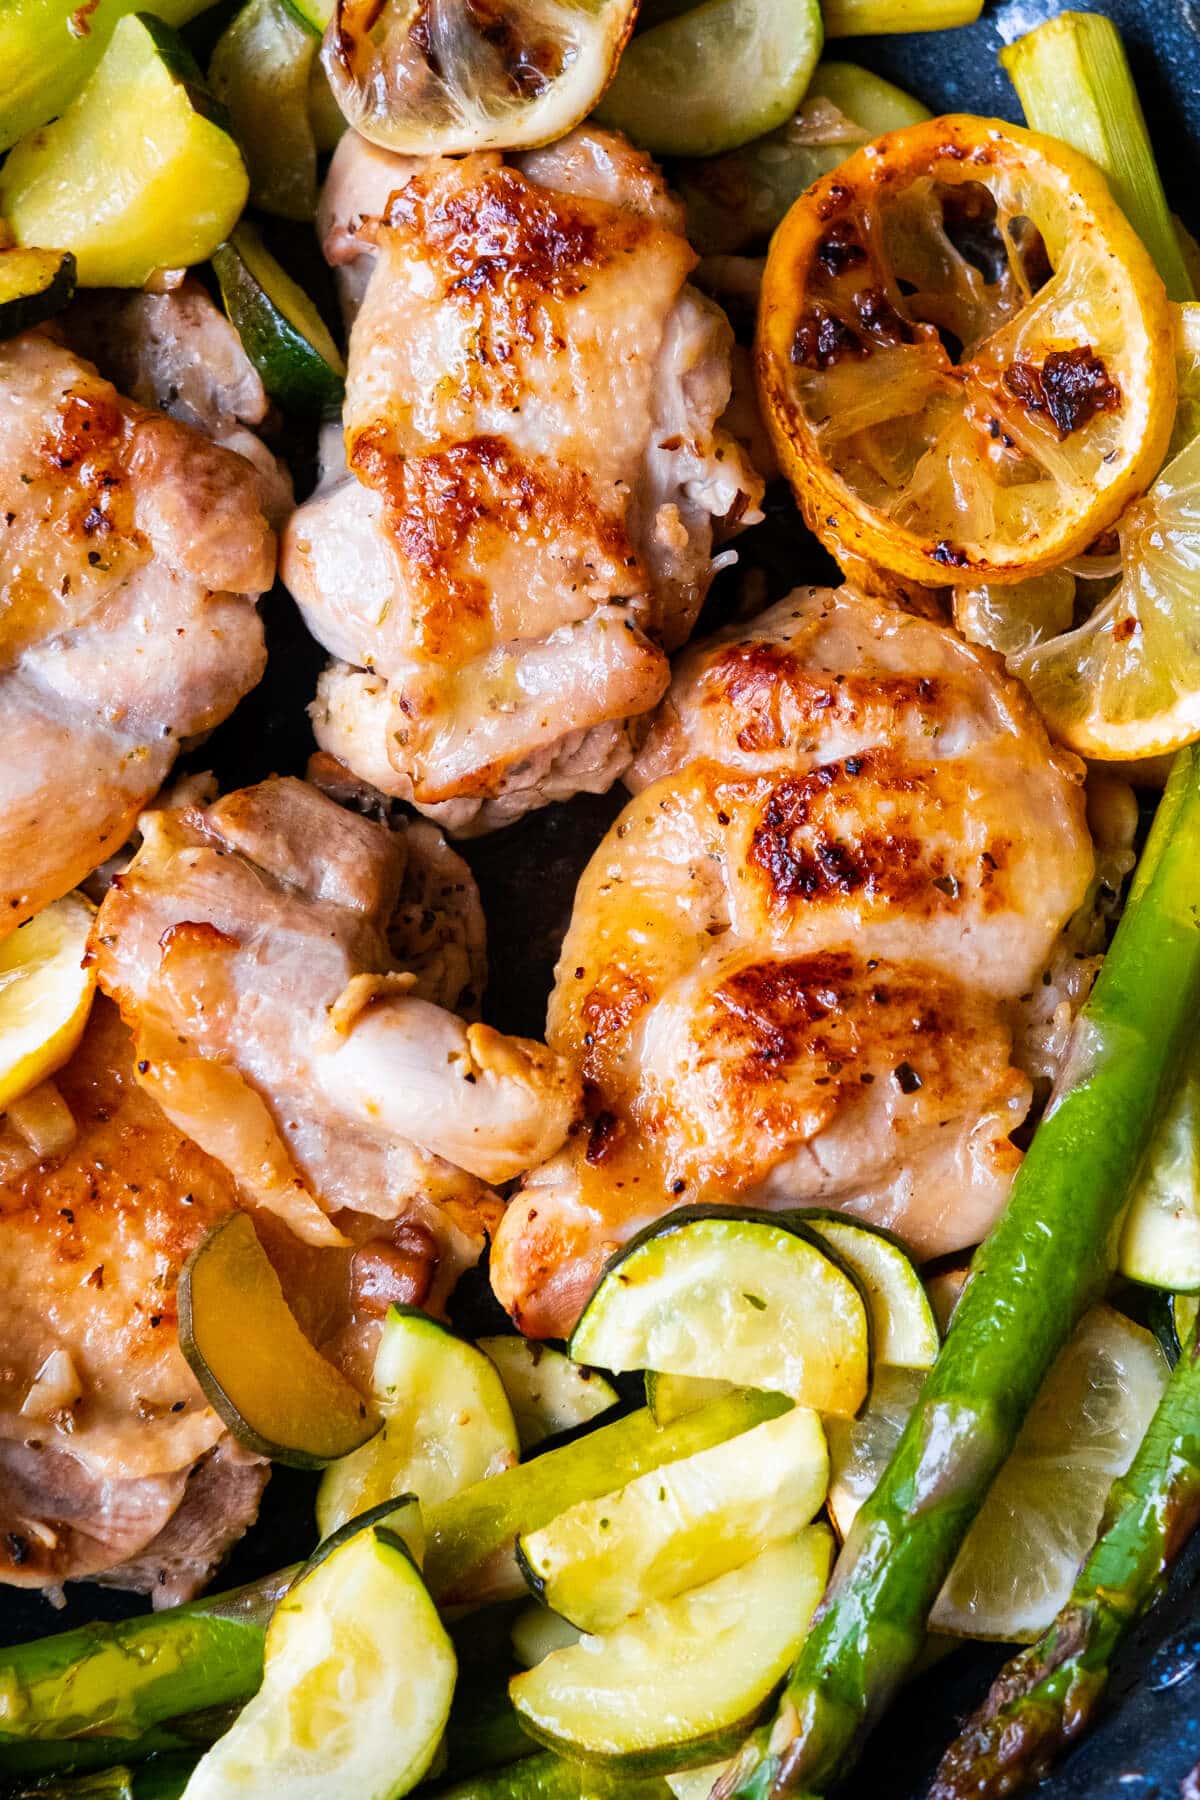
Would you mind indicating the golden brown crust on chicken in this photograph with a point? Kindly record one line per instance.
(533, 470)
(131, 552)
(91, 1245)
(793, 964)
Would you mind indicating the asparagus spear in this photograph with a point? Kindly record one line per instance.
(162, 1779)
(1050, 1256)
(1046, 1695)
(1074, 82)
(122, 1680)
(548, 1777)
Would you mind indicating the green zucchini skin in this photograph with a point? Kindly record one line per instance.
(191, 1342)
(179, 63)
(1050, 1256)
(1046, 1695)
(294, 370)
(52, 286)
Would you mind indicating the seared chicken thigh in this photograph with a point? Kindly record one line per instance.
(132, 550)
(310, 1052)
(794, 965)
(106, 1441)
(522, 522)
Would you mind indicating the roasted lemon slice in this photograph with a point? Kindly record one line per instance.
(1125, 683)
(437, 77)
(45, 995)
(965, 354)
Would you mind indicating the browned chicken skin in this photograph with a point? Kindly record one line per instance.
(132, 550)
(524, 519)
(794, 966)
(102, 1423)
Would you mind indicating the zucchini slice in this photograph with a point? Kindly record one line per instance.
(34, 285)
(46, 57)
(359, 1676)
(1160, 1242)
(1184, 1308)
(138, 174)
(904, 1331)
(714, 77)
(471, 1540)
(748, 1297)
(548, 1392)
(682, 1683)
(277, 1394)
(681, 1526)
(261, 70)
(537, 1633)
(281, 330)
(446, 1423)
(670, 1396)
(401, 1515)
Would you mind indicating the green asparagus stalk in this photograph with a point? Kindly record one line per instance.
(41, 1759)
(1043, 1699)
(122, 1680)
(547, 1777)
(868, 18)
(470, 1539)
(1074, 82)
(119, 1682)
(1048, 1258)
(163, 1779)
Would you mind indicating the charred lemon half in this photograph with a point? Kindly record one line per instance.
(440, 77)
(965, 355)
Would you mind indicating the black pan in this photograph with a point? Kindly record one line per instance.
(1148, 1742)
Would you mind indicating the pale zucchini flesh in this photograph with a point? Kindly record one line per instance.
(537, 1633)
(670, 1396)
(714, 77)
(681, 1684)
(470, 1553)
(680, 1526)
(904, 1331)
(34, 285)
(548, 1392)
(359, 1675)
(447, 1423)
(278, 1395)
(746, 1298)
(1160, 1241)
(735, 201)
(137, 174)
(46, 59)
(261, 70)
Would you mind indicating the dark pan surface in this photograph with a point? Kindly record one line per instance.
(1149, 1741)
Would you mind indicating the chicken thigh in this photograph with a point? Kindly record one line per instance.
(289, 969)
(519, 523)
(132, 550)
(106, 1442)
(795, 963)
